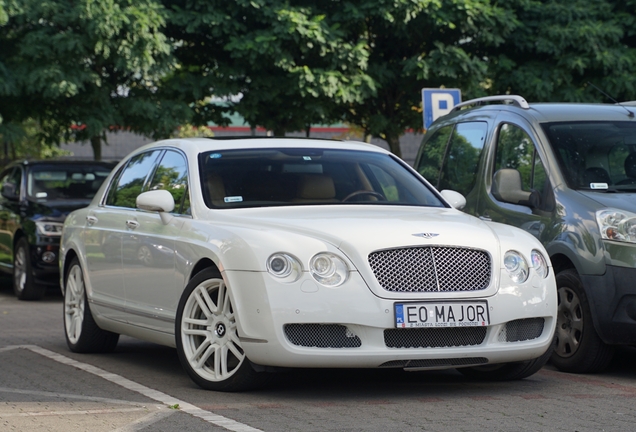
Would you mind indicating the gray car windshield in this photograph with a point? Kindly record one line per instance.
(598, 156)
(302, 176)
(65, 182)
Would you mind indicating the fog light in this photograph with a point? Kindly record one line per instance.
(49, 257)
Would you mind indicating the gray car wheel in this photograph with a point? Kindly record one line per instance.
(24, 285)
(578, 348)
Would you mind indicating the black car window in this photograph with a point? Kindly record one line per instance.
(308, 176)
(130, 182)
(65, 181)
(432, 154)
(516, 150)
(461, 161)
(172, 175)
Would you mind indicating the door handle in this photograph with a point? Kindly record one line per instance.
(132, 224)
(91, 220)
(485, 218)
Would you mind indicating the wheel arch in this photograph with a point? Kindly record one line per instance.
(68, 258)
(561, 262)
(202, 264)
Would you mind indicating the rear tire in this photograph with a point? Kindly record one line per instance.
(24, 285)
(579, 348)
(83, 335)
(207, 339)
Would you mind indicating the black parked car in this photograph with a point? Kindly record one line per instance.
(35, 198)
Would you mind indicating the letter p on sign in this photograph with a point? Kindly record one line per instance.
(438, 102)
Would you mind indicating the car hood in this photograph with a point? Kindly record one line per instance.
(621, 201)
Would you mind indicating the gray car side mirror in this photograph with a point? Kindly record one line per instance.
(506, 187)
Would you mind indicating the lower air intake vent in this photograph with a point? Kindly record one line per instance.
(434, 337)
(321, 336)
(522, 330)
(450, 362)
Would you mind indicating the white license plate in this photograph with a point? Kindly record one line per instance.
(442, 314)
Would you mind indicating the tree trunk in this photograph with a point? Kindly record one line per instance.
(394, 145)
(279, 132)
(96, 143)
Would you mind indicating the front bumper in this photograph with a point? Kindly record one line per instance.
(612, 298)
(266, 310)
(44, 261)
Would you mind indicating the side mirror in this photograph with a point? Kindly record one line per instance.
(455, 199)
(157, 200)
(506, 187)
(8, 191)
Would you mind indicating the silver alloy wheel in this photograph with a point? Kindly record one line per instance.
(20, 269)
(208, 332)
(569, 329)
(74, 304)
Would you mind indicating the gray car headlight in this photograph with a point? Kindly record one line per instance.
(539, 263)
(328, 269)
(516, 266)
(51, 229)
(617, 225)
(284, 266)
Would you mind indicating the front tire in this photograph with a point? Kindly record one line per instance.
(83, 335)
(24, 285)
(207, 339)
(579, 348)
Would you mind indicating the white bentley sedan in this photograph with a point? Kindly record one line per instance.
(252, 254)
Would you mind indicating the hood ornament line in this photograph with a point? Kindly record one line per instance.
(426, 235)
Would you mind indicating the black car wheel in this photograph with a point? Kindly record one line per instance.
(24, 285)
(579, 348)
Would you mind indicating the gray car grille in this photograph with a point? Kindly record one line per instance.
(434, 337)
(431, 269)
(522, 330)
(321, 336)
(450, 362)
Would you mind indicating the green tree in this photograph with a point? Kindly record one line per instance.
(288, 62)
(561, 45)
(83, 67)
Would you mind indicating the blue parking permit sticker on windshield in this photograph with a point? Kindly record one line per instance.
(307, 158)
(233, 199)
(599, 186)
(215, 156)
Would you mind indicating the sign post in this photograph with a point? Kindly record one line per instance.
(438, 102)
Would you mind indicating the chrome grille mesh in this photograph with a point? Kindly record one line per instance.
(431, 269)
(434, 337)
(522, 330)
(321, 336)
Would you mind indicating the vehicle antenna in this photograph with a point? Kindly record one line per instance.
(630, 113)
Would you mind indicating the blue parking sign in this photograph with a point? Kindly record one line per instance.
(438, 102)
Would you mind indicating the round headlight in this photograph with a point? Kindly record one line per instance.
(328, 269)
(539, 263)
(284, 266)
(516, 266)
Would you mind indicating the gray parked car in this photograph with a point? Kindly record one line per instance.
(566, 173)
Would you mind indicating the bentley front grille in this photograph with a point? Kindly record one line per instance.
(321, 336)
(431, 269)
(434, 337)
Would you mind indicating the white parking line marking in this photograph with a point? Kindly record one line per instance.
(165, 399)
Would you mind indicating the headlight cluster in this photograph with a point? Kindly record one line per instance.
(326, 268)
(52, 229)
(518, 268)
(617, 225)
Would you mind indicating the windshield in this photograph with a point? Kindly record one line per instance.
(599, 156)
(65, 182)
(300, 176)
